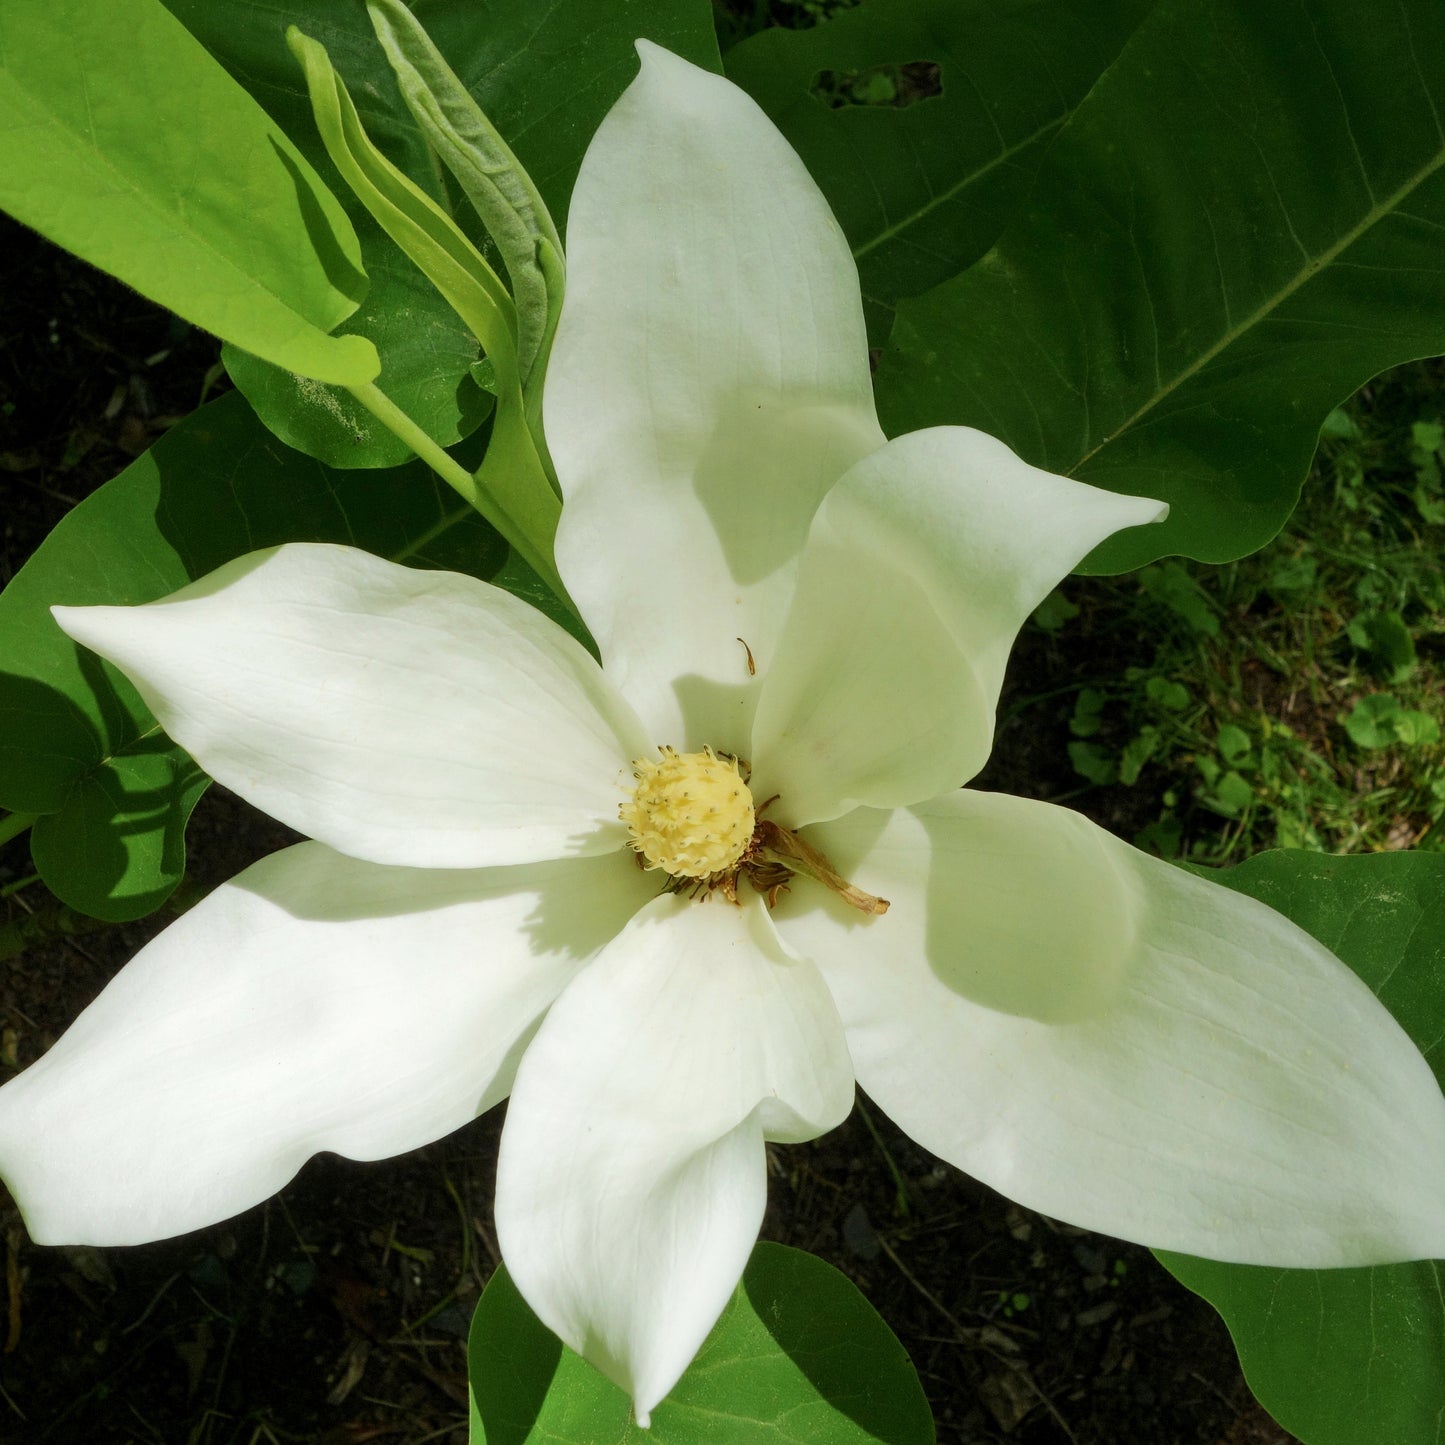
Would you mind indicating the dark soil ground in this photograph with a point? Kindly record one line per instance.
(337, 1311)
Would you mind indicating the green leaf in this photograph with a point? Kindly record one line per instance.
(1233, 743)
(923, 192)
(1137, 752)
(1378, 721)
(1230, 796)
(501, 192)
(1371, 722)
(513, 490)
(798, 1357)
(514, 60)
(517, 60)
(123, 141)
(425, 348)
(1291, 575)
(1173, 587)
(433, 241)
(1349, 1356)
(1094, 762)
(1088, 715)
(1239, 227)
(117, 848)
(1171, 696)
(1054, 612)
(1387, 640)
(76, 742)
(1416, 728)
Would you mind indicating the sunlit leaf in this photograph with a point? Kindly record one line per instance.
(123, 141)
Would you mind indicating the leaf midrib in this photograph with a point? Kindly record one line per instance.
(972, 178)
(1306, 273)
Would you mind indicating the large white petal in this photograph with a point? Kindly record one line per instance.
(402, 716)
(709, 382)
(631, 1182)
(1226, 1086)
(314, 1002)
(921, 566)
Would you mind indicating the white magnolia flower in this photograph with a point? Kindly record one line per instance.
(1099, 1035)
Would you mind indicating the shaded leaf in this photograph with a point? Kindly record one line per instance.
(1387, 640)
(76, 742)
(923, 192)
(424, 344)
(1238, 228)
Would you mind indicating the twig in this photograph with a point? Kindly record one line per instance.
(973, 1336)
(901, 1205)
(40, 927)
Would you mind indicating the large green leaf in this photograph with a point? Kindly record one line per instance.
(123, 141)
(1241, 224)
(924, 191)
(76, 742)
(518, 62)
(546, 75)
(798, 1357)
(1349, 1356)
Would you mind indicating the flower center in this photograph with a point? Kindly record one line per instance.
(691, 814)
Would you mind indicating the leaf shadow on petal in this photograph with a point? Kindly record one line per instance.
(762, 473)
(1024, 912)
(717, 714)
(1030, 918)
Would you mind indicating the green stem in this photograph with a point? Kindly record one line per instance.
(14, 824)
(396, 421)
(901, 1205)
